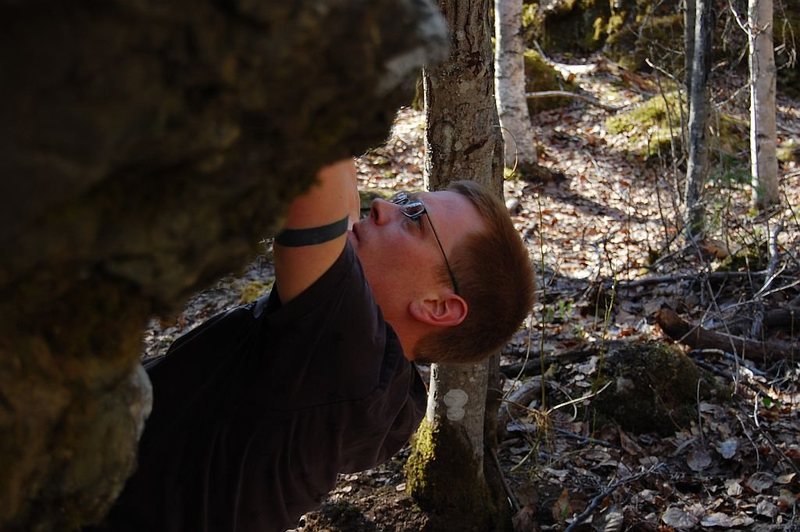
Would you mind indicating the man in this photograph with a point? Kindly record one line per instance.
(256, 411)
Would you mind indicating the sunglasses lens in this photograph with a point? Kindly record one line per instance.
(414, 210)
(401, 198)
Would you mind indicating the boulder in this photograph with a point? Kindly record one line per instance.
(146, 148)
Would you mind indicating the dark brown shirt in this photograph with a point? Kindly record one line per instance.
(256, 411)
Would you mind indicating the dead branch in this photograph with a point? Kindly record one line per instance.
(534, 365)
(567, 94)
(697, 337)
(738, 378)
(711, 276)
(783, 317)
(585, 439)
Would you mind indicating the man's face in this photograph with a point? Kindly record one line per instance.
(400, 256)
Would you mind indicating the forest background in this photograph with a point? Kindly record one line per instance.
(618, 414)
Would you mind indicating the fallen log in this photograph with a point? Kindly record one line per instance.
(788, 318)
(697, 337)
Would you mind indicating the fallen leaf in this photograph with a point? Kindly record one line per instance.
(628, 444)
(767, 509)
(677, 518)
(787, 500)
(715, 248)
(717, 519)
(699, 459)
(728, 448)
(562, 507)
(525, 520)
(733, 488)
(760, 481)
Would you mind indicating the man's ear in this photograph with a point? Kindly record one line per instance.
(443, 311)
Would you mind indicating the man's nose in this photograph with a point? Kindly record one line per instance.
(381, 211)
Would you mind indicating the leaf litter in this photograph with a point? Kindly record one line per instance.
(608, 251)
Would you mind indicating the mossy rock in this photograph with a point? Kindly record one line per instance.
(789, 150)
(627, 30)
(655, 127)
(653, 388)
(647, 35)
(566, 25)
(751, 257)
(541, 76)
(253, 290)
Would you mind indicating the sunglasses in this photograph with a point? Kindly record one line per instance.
(413, 209)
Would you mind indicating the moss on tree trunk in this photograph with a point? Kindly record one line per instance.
(446, 481)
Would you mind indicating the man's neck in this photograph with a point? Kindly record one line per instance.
(409, 335)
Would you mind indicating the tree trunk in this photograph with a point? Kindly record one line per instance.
(688, 42)
(763, 158)
(519, 151)
(697, 166)
(462, 141)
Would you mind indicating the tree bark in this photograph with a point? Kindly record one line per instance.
(763, 140)
(512, 106)
(688, 41)
(697, 166)
(462, 141)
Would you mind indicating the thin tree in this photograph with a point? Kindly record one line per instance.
(445, 473)
(689, 10)
(697, 164)
(763, 140)
(509, 71)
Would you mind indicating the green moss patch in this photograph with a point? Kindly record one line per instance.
(540, 76)
(656, 127)
(442, 478)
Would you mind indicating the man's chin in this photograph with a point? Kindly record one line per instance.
(353, 238)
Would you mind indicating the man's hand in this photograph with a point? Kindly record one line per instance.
(332, 198)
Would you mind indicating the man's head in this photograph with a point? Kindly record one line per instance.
(410, 248)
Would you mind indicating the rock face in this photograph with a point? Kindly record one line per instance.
(146, 147)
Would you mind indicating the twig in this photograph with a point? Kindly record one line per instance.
(586, 439)
(750, 438)
(598, 499)
(771, 443)
(567, 94)
(512, 497)
(535, 367)
(579, 399)
(727, 356)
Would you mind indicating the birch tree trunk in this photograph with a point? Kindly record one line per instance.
(509, 71)
(697, 165)
(462, 140)
(763, 158)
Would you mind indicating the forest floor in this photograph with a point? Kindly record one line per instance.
(606, 239)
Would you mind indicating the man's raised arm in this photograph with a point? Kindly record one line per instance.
(316, 228)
